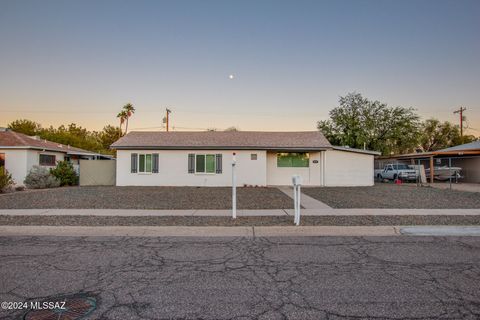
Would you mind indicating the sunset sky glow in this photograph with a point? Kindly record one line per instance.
(257, 65)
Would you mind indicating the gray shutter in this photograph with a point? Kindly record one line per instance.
(133, 163)
(191, 163)
(218, 163)
(154, 162)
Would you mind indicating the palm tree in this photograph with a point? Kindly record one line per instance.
(129, 111)
(122, 115)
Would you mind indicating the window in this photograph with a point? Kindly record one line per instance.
(292, 159)
(205, 163)
(47, 160)
(253, 156)
(145, 163)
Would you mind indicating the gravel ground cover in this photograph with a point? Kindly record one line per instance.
(146, 198)
(240, 221)
(384, 195)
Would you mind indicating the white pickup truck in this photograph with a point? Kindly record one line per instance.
(397, 171)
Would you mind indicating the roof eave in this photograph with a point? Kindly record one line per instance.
(220, 148)
(33, 148)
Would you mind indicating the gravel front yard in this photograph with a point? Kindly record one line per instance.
(240, 221)
(146, 198)
(384, 195)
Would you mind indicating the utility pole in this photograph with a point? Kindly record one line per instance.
(168, 112)
(460, 111)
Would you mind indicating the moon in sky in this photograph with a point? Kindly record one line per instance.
(231, 76)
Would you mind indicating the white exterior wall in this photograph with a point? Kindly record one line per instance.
(343, 168)
(18, 162)
(277, 176)
(173, 169)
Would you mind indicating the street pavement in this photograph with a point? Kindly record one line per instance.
(247, 278)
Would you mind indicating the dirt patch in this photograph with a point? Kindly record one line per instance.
(392, 196)
(241, 221)
(146, 198)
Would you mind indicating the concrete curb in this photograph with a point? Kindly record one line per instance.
(245, 232)
(112, 231)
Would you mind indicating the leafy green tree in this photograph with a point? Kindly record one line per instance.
(6, 179)
(65, 173)
(436, 135)
(72, 135)
(25, 126)
(107, 136)
(359, 122)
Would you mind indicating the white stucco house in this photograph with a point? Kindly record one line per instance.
(262, 159)
(20, 152)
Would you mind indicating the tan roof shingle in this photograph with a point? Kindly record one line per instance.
(258, 140)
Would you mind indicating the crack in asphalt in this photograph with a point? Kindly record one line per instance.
(248, 278)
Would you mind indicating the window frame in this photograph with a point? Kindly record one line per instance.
(47, 164)
(214, 157)
(293, 166)
(145, 163)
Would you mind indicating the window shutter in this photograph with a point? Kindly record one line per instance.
(218, 162)
(191, 163)
(133, 163)
(154, 162)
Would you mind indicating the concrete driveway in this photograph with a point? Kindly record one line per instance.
(240, 278)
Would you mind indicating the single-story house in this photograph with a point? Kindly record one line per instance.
(20, 152)
(465, 156)
(262, 158)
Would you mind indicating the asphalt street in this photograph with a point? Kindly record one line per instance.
(239, 278)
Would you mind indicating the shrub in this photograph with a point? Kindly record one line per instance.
(5, 179)
(40, 178)
(65, 173)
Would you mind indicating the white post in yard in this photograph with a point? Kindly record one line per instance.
(297, 181)
(295, 200)
(298, 203)
(234, 189)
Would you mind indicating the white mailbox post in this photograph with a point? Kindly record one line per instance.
(297, 182)
(234, 188)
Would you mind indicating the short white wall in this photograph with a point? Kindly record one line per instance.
(278, 176)
(18, 162)
(173, 169)
(97, 172)
(343, 168)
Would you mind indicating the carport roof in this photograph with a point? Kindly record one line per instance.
(227, 140)
(472, 146)
(467, 149)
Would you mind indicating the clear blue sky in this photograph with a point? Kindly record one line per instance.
(80, 61)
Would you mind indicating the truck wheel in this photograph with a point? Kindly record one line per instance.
(379, 177)
(395, 177)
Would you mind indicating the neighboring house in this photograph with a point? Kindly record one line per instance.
(263, 158)
(19, 153)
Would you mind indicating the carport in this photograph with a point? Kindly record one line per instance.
(465, 156)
